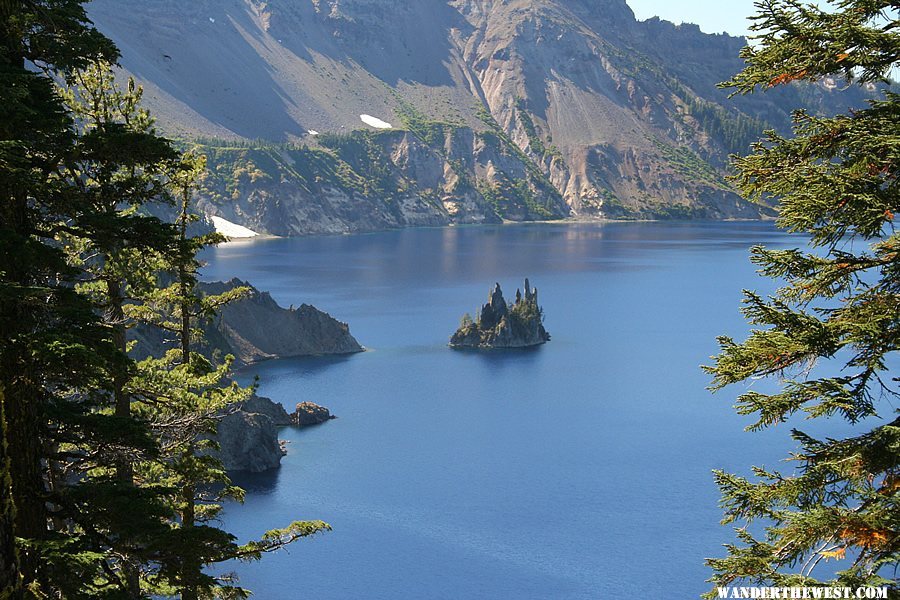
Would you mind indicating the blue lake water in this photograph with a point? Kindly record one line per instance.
(580, 469)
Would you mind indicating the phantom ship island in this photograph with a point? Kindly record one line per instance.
(519, 325)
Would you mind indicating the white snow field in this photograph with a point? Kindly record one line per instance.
(232, 230)
(375, 122)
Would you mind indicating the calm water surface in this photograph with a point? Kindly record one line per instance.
(577, 470)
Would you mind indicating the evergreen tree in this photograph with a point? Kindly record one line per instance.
(119, 167)
(179, 397)
(82, 514)
(49, 339)
(184, 396)
(829, 336)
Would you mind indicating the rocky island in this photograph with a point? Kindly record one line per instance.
(499, 325)
(309, 413)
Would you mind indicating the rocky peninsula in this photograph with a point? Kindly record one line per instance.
(499, 325)
(247, 435)
(252, 329)
(256, 328)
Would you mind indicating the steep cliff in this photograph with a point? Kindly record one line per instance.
(255, 328)
(376, 180)
(247, 436)
(268, 407)
(248, 433)
(516, 109)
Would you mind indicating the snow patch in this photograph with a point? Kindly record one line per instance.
(375, 122)
(232, 230)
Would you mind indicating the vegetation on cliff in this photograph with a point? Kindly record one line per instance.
(375, 179)
(601, 114)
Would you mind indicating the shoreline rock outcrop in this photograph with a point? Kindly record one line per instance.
(309, 413)
(248, 436)
(268, 407)
(255, 328)
(518, 325)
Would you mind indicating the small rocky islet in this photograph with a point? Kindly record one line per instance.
(502, 325)
(247, 435)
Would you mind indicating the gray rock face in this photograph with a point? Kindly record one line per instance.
(495, 310)
(603, 114)
(255, 328)
(248, 435)
(268, 407)
(308, 413)
(501, 326)
(248, 442)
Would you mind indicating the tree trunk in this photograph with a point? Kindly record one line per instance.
(191, 568)
(22, 459)
(23, 393)
(184, 290)
(10, 580)
(115, 316)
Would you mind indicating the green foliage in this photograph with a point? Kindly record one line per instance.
(515, 197)
(537, 145)
(736, 131)
(534, 140)
(358, 163)
(690, 166)
(433, 133)
(107, 488)
(525, 312)
(369, 161)
(60, 363)
(504, 193)
(355, 163)
(730, 127)
(830, 333)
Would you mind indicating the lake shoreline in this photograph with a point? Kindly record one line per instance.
(580, 220)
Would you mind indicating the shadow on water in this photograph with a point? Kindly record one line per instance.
(301, 365)
(256, 483)
(501, 359)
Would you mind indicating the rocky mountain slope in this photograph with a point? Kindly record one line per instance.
(516, 109)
